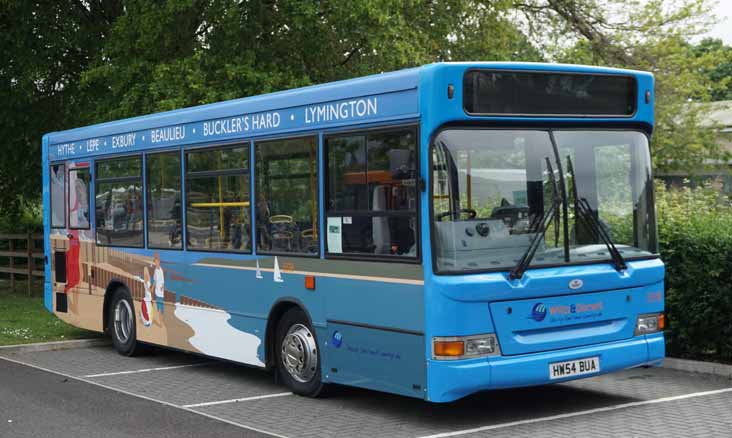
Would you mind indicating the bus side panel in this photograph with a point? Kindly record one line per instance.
(225, 304)
(203, 309)
(375, 335)
(375, 359)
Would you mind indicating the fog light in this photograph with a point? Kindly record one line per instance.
(650, 323)
(464, 347)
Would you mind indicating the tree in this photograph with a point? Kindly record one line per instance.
(720, 72)
(225, 49)
(647, 35)
(47, 45)
(78, 62)
(222, 49)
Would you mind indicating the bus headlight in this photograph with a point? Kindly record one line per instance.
(464, 347)
(650, 323)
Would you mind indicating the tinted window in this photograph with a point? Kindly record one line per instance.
(537, 93)
(58, 190)
(287, 196)
(79, 198)
(218, 159)
(347, 173)
(119, 168)
(118, 202)
(164, 212)
(391, 171)
(372, 197)
(217, 199)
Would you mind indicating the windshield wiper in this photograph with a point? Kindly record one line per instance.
(584, 213)
(541, 225)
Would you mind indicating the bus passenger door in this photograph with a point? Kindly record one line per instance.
(58, 240)
(79, 256)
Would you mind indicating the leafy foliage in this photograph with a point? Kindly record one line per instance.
(653, 36)
(695, 234)
(73, 62)
(225, 49)
(46, 45)
(720, 71)
(27, 216)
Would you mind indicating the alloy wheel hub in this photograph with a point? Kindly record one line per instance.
(300, 353)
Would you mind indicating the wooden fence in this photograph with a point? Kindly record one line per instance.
(19, 247)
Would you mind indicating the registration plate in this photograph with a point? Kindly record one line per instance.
(579, 367)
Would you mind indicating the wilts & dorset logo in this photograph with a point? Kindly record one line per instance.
(538, 312)
(563, 312)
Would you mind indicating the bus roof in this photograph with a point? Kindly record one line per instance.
(395, 96)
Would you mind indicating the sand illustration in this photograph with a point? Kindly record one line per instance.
(214, 336)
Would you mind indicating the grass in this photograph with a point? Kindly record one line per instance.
(24, 319)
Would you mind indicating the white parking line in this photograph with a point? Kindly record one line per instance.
(132, 394)
(236, 400)
(147, 370)
(580, 413)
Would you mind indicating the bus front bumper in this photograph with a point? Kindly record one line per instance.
(451, 380)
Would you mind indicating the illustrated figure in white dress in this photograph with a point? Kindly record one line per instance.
(159, 281)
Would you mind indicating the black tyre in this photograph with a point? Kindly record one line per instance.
(297, 354)
(122, 323)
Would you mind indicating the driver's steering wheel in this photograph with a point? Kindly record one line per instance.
(469, 211)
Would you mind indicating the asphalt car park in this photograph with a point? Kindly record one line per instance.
(636, 402)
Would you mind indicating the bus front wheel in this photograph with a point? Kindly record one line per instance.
(298, 358)
(122, 323)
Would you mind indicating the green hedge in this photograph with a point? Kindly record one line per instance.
(695, 236)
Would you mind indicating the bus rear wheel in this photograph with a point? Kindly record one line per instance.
(297, 354)
(122, 323)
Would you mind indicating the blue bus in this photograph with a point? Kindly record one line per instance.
(431, 232)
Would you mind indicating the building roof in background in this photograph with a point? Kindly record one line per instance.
(720, 114)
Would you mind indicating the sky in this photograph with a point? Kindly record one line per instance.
(723, 29)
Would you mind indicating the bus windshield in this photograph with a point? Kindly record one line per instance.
(494, 191)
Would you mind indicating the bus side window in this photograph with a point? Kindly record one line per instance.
(57, 175)
(164, 211)
(79, 199)
(372, 196)
(287, 196)
(118, 202)
(217, 199)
